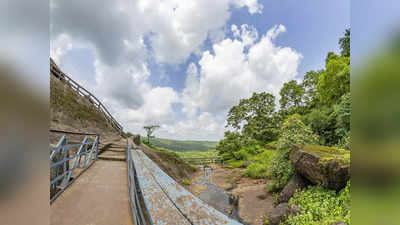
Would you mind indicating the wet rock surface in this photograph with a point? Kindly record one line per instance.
(217, 197)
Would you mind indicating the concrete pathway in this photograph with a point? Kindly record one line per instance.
(100, 196)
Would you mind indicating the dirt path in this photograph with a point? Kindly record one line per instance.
(254, 201)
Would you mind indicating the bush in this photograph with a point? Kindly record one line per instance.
(256, 170)
(293, 132)
(259, 168)
(280, 170)
(320, 206)
(186, 181)
(241, 155)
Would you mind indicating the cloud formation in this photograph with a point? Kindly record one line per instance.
(125, 36)
(232, 73)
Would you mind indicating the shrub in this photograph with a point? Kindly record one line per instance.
(242, 154)
(280, 170)
(320, 206)
(259, 168)
(186, 181)
(256, 170)
(293, 132)
(236, 164)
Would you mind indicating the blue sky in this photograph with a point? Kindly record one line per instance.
(180, 64)
(313, 29)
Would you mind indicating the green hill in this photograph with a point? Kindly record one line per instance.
(184, 146)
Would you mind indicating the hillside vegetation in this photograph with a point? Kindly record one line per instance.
(313, 114)
(184, 146)
(70, 111)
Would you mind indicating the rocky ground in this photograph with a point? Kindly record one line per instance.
(254, 202)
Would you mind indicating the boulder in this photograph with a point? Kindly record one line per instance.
(329, 167)
(295, 183)
(338, 223)
(279, 213)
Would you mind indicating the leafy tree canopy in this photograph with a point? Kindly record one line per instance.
(292, 97)
(255, 116)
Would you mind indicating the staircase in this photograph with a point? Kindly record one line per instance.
(114, 150)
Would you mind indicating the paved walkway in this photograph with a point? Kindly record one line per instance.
(100, 196)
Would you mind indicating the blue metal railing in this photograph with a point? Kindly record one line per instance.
(66, 158)
(136, 208)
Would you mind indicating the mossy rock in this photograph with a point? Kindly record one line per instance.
(326, 166)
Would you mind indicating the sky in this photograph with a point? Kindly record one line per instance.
(184, 64)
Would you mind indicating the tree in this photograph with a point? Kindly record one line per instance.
(344, 43)
(150, 130)
(335, 80)
(309, 85)
(128, 134)
(255, 117)
(292, 95)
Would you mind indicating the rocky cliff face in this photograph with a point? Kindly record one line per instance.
(326, 166)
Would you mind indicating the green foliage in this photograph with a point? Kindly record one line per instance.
(292, 97)
(186, 181)
(293, 132)
(309, 85)
(259, 167)
(66, 100)
(342, 112)
(335, 80)
(128, 134)
(242, 154)
(197, 154)
(185, 146)
(255, 117)
(280, 170)
(344, 43)
(320, 206)
(327, 154)
(322, 122)
(230, 144)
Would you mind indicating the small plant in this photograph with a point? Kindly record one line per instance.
(320, 206)
(293, 132)
(186, 181)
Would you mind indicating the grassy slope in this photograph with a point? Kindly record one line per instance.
(184, 146)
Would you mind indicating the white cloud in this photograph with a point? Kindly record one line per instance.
(59, 47)
(231, 74)
(253, 5)
(172, 30)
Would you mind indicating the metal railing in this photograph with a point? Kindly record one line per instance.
(134, 193)
(55, 71)
(65, 158)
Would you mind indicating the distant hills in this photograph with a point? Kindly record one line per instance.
(184, 146)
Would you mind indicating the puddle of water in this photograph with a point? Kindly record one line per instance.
(217, 197)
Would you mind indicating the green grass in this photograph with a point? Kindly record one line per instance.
(64, 99)
(186, 182)
(195, 154)
(327, 154)
(184, 146)
(259, 167)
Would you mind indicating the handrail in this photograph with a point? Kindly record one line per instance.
(60, 159)
(71, 132)
(56, 72)
(136, 209)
